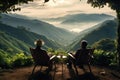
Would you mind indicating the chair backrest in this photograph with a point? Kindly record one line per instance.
(38, 58)
(85, 56)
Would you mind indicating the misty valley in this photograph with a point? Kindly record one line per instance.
(18, 33)
(26, 31)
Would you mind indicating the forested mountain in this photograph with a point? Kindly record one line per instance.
(80, 18)
(20, 39)
(103, 30)
(11, 44)
(39, 27)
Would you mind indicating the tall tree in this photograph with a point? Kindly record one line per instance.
(10, 5)
(115, 5)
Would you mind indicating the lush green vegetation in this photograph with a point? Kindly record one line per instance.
(8, 60)
(105, 53)
(102, 56)
(105, 44)
(105, 58)
(16, 60)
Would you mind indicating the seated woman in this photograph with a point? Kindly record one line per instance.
(40, 55)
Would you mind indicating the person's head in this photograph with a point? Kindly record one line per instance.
(84, 44)
(39, 42)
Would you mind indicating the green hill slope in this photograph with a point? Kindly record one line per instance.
(11, 44)
(21, 39)
(103, 30)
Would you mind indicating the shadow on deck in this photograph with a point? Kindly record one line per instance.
(40, 76)
(68, 74)
(84, 76)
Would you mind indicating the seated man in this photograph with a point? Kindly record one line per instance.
(82, 56)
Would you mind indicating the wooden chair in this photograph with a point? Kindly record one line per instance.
(39, 61)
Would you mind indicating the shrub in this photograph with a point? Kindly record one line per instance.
(103, 58)
(22, 60)
(5, 60)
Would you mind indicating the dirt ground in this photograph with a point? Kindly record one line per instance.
(60, 73)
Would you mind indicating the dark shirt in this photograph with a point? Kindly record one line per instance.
(82, 56)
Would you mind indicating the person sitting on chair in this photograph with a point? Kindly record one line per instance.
(42, 54)
(83, 55)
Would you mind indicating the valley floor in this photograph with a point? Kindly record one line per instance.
(64, 73)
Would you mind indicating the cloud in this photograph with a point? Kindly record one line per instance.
(63, 2)
(59, 8)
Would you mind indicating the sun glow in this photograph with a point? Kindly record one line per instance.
(61, 1)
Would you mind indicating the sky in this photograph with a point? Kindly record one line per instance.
(58, 8)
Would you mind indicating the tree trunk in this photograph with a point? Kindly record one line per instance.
(118, 32)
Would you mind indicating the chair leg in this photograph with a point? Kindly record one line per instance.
(62, 70)
(76, 69)
(33, 69)
(89, 67)
(54, 72)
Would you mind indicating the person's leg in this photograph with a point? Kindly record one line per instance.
(75, 66)
(50, 65)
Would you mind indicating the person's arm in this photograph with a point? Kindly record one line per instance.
(76, 54)
(91, 51)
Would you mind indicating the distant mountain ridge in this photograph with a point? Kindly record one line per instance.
(80, 18)
(87, 18)
(40, 27)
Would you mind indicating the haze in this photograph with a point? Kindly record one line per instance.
(60, 8)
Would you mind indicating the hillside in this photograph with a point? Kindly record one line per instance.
(12, 45)
(20, 39)
(107, 29)
(40, 27)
